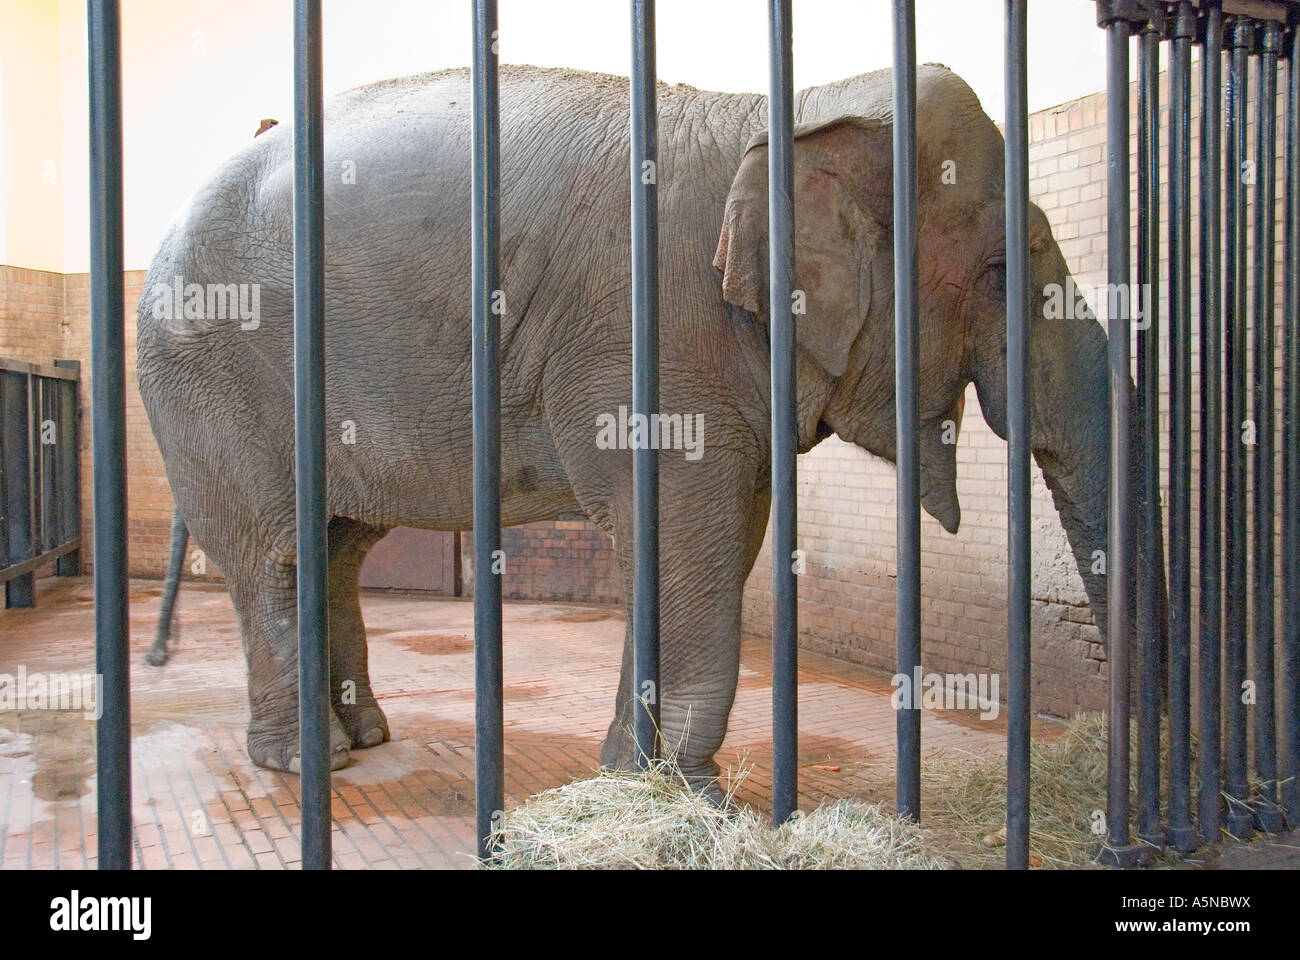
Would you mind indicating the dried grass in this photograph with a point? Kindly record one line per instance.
(967, 800)
(652, 821)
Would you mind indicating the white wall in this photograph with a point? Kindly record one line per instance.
(199, 74)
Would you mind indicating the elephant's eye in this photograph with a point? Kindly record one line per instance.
(995, 279)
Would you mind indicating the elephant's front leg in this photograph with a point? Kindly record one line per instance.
(706, 550)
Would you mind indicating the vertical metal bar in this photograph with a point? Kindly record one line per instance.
(1236, 790)
(1289, 748)
(47, 389)
(17, 447)
(1268, 816)
(1019, 546)
(35, 461)
(1210, 802)
(1182, 835)
(645, 381)
(1147, 438)
(489, 561)
(780, 214)
(108, 435)
(309, 434)
(1118, 553)
(905, 396)
(69, 565)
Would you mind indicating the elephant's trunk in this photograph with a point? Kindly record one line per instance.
(1070, 436)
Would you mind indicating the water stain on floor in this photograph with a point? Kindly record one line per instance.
(59, 746)
(586, 615)
(435, 644)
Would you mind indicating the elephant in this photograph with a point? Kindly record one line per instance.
(218, 389)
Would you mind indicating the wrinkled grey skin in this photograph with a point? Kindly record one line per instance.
(398, 351)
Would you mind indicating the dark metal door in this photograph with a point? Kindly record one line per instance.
(410, 559)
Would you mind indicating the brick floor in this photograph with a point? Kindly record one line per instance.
(200, 803)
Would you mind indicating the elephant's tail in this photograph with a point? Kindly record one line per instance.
(158, 653)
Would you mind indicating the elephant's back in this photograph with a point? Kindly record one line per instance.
(397, 216)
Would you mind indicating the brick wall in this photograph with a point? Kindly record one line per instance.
(150, 504)
(570, 560)
(46, 316)
(32, 322)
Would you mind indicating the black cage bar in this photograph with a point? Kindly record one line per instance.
(1239, 682)
(309, 436)
(1019, 569)
(1209, 800)
(1182, 836)
(1147, 436)
(1236, 790)
(1289, 747)
(645, 381)
(1117, 849)
(908, 523)
(1268, 815)
(16, 458)
(108, 435)
(489, 560)
(1227, 545)
(781, 265)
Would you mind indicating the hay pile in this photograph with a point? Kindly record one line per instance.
(651, 821)
(965, 805)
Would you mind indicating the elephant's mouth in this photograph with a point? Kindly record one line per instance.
(939, 498)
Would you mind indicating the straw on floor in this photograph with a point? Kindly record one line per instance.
(651, 821)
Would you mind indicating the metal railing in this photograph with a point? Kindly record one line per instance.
(108, 365)
(1121, 18)
(1239, 680)
(40, 488)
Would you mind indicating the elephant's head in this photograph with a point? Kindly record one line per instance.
(844, 268)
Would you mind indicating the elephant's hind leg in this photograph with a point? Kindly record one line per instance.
(264, 592)
(354, 702)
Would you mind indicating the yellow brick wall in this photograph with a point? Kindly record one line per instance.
(32, 322)
(149, 500)
(46, 316)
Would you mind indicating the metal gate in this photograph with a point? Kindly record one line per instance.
(1264, 42)
(1240, 677)
(40, 513)
(411, 559)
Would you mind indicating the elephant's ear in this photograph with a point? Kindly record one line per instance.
(837, 168)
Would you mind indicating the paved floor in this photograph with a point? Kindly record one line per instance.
(199, 802)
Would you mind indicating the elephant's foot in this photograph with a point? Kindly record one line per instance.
(276, 747)
(365, 724)
(618, 753)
